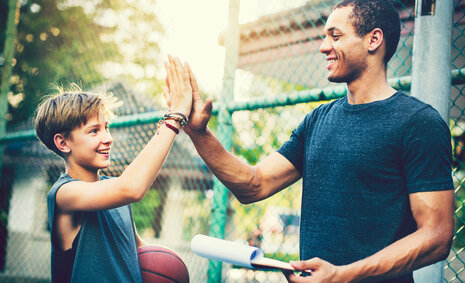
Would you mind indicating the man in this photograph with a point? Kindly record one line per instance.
(377, 199)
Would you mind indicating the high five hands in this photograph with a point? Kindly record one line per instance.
(178, 92)
(200, 112)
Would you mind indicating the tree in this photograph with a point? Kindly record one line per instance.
(63, 42)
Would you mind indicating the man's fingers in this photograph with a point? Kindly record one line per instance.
(208, 105)
(195, 87)
(292, 277)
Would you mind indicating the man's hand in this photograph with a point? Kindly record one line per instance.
(321, 271)
(201, 112)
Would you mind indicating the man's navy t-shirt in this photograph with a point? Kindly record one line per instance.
(359, 164)
(104, 250)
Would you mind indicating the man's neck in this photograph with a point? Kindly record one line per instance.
(371, 86)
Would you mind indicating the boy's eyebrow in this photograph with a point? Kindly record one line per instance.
(94, 125)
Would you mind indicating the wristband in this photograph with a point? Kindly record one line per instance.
(178, 117)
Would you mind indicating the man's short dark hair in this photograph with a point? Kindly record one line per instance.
(370, 14)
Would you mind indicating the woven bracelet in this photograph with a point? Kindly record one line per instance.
(178, 117)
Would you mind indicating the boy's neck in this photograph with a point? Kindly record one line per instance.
(82, 174)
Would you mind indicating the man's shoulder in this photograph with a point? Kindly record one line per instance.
(415, 109)
(326, 107)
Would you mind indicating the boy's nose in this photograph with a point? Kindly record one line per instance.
(107, 138)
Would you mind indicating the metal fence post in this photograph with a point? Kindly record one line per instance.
(431, 63)
(225, 132)
(431, 77)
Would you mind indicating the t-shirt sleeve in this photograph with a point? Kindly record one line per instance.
(293, 148)
(426, 153)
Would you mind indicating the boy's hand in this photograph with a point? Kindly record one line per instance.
(201, 112)
(178, 92)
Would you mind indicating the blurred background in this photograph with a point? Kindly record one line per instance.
(258, 59)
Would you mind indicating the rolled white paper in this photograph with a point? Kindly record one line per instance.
(227, 251)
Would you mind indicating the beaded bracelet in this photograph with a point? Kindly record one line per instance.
(178, 117)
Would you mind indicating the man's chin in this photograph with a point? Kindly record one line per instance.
(334, 79)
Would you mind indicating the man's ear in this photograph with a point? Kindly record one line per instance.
(61, 143)
(375, 40)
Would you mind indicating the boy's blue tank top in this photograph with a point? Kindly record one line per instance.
(104, 250)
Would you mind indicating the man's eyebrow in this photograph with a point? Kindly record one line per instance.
(333, 29)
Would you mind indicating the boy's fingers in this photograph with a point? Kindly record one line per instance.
(169, 75)
(167, 82)
(173, 71)
(178, 66)
(185, 74)
(195, 87)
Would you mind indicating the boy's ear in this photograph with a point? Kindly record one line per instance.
(61, 143)
(375, 39)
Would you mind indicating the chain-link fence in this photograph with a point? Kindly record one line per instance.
(274, 76)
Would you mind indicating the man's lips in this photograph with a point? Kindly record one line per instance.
(331, 62)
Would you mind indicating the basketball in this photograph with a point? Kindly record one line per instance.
(160, 264)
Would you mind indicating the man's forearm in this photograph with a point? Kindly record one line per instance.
(235, 174)
(407, 254)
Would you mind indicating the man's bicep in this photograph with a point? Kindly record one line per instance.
(433, 210)
(276, 173)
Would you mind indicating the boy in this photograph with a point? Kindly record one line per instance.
(92, 231)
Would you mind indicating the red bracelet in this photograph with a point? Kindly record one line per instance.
(176, 130)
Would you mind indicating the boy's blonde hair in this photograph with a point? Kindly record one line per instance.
(62, 112)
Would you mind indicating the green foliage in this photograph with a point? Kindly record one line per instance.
(283, 256)
(63, 42)
(145, 211)
(197, 216)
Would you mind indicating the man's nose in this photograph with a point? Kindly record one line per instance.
(325, 46)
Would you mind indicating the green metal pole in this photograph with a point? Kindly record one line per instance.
(225, 131)
(8, 53)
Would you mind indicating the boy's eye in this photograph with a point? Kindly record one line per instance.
(93, 131)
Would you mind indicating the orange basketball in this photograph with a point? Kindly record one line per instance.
(162, 265)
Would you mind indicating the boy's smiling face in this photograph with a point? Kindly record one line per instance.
(90, 144)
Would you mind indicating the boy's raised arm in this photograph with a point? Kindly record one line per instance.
(137, 178)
